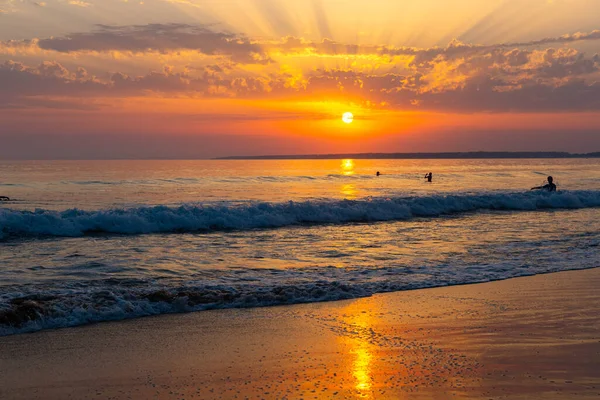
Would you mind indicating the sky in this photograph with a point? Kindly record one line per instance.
(208, 78)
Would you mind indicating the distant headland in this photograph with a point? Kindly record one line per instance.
(416, 156)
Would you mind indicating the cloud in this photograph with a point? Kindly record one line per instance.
(495, 81)
(172, 38)
(460, 77)
(165, 81)
(455, 48)
(498, 81)
(49, 77)
(162, 38)
(568, 38)
(52, 79)
(25, 86)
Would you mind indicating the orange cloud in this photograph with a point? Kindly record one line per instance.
(458, 78)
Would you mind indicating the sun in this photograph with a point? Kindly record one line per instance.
(348, 117)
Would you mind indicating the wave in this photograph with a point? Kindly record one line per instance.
(32, 308)
(198, 218)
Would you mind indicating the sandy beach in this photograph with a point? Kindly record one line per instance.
(524, 338)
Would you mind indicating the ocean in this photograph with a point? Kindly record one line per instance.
(91, 241)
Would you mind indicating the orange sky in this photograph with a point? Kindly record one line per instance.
(263, 76)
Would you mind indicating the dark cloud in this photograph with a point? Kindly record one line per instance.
(488, 94)
(454, 49)
(20, 82)
(165, 82)
(48, 78)
(569, 38)
(159, 37)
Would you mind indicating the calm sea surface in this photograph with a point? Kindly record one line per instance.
(89, 241)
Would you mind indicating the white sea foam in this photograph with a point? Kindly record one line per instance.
(28, 309)
(195, 218)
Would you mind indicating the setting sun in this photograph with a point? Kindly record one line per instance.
(348, 117)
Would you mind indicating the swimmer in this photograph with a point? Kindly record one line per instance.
(550, 186)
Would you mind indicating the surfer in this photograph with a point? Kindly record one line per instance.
(550, 186)
(4, 198)
(429, 177)
(378, 173)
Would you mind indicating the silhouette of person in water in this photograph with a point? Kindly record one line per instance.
(378, 173)
(429, 177)
(550, 186)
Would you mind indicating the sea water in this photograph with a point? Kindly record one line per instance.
(91, 241)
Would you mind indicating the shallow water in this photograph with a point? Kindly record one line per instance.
(152, 237)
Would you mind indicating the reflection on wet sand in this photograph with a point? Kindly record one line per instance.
(360, 350)
(362, 369)
(391, 354)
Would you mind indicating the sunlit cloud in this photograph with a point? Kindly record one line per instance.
(492, 78)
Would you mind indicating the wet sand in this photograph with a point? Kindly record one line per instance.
(525, 338)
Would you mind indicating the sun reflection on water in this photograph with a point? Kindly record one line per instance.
(348, 167)
(349, 191)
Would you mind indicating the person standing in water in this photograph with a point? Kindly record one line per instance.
(550, 186)
(429, 177)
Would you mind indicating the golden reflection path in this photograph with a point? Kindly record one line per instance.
(362, 369)
(348, 190)
(361, 350)
(348, 167)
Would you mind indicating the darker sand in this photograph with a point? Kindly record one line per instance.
(526, 338)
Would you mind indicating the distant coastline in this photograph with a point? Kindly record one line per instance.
(416, 156)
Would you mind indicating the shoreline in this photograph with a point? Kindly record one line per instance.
(160, 294)
(526, 337)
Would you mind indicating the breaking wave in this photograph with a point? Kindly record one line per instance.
(33, 308)
(207, 218)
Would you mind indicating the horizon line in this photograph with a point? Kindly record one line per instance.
(420, 155)
(367, 155)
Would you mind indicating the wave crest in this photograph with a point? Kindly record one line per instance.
(196, 218)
